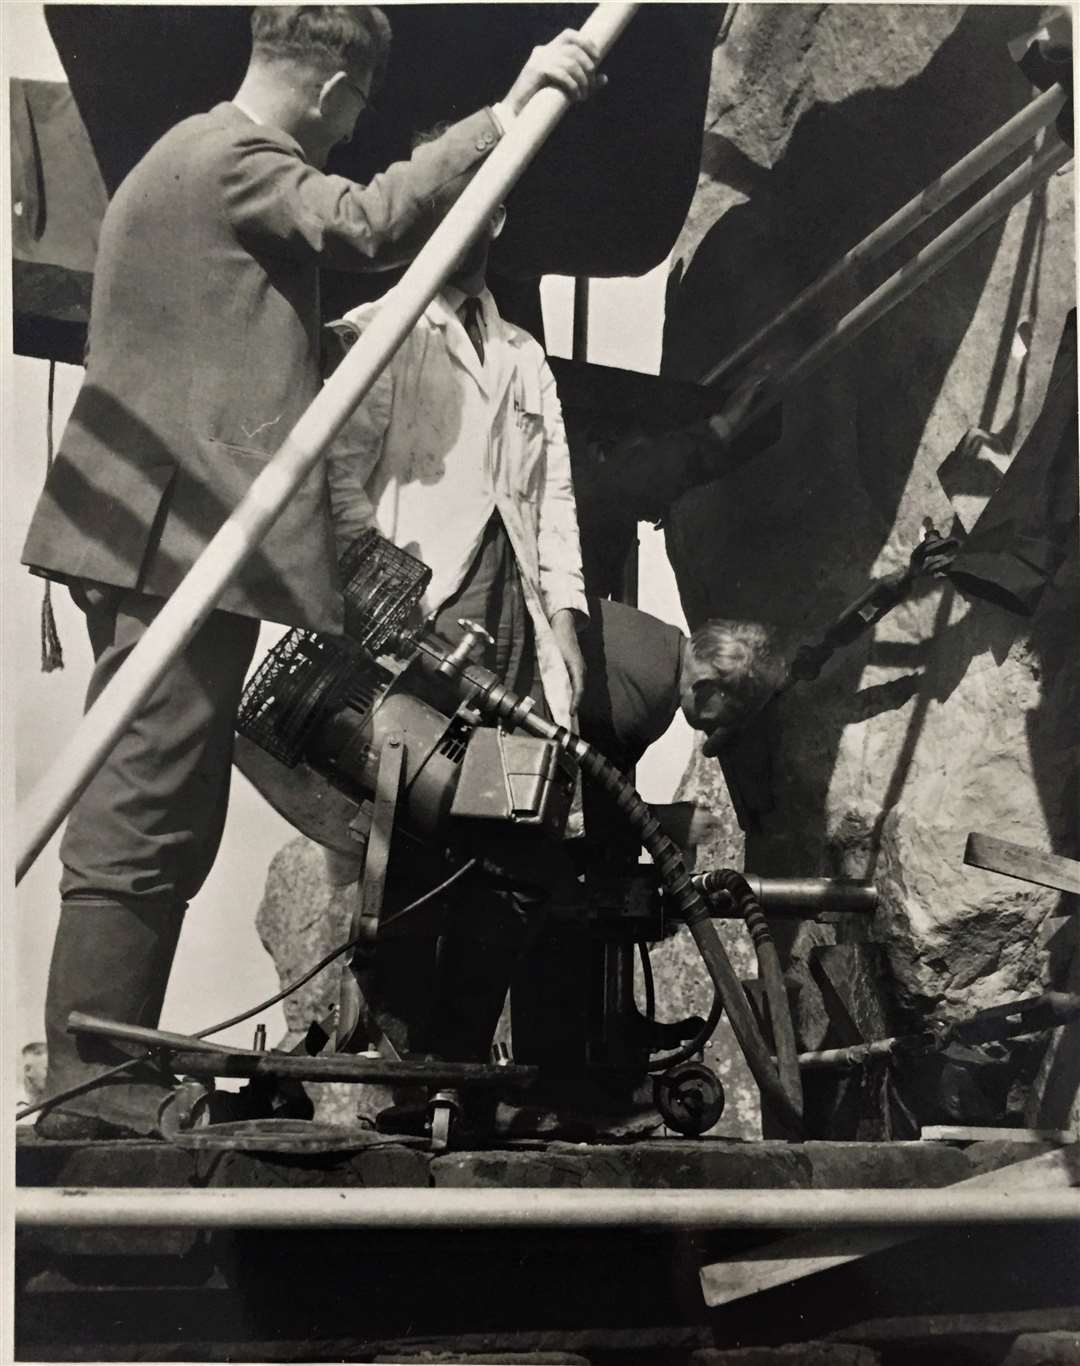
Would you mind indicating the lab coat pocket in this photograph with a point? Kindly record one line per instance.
(529, 443)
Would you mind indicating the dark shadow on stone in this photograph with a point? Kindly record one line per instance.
(851, 163)
(883, 697)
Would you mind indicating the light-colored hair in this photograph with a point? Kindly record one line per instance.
(739, 654)
(334, 37)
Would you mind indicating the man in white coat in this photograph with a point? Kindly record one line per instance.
(460, 443)
(458, 455)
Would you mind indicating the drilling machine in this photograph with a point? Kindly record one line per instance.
(377, 736)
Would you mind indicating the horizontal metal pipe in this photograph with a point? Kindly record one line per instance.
(423, 1207)
(799, 896)
(353, 1067)
(851, 1056)
(795, 894)
(992, 150)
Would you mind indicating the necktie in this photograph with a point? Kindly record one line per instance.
(470, 317)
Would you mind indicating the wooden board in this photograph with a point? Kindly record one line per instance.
(805, 1254)
(1029, 865)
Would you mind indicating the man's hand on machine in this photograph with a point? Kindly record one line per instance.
(564, 628)
(688, 824)
(568, 63)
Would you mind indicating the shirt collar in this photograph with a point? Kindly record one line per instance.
(236, 106)
(453, 298)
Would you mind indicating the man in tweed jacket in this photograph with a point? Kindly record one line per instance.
(203, 351)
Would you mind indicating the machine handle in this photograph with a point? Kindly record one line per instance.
(472, 634)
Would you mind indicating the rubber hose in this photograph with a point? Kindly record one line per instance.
(783, 1028)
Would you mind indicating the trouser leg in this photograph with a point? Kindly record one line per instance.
(495, 918)
(490, 930)
(148, 825)
(139, 843)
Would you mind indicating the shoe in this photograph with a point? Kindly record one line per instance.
(62, 1126)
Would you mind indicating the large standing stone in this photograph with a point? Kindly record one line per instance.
(954, 715)
(301, 917)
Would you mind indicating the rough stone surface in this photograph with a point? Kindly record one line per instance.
(791, 1354)
(955, 715)
(866, 1166)
(657, 1164)
(302, 917)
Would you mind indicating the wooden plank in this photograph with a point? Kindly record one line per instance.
(967, 1133)
(1029, 865)
(806, 1254)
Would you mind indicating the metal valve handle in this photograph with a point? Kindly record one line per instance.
(456, 660)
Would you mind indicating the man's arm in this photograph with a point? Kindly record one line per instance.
(562, 582)
(274, 197)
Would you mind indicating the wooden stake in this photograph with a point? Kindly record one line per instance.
(1016, 860)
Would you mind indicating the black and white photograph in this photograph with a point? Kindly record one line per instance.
(541, 688)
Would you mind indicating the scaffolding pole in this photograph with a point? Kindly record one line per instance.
(971, 168)
(923, 266)
(422, 1207)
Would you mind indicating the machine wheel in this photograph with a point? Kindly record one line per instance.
(689, 1097)
(444, 1108)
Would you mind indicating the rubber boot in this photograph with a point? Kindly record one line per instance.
(113, 960)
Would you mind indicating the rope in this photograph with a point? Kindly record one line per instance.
(52, 654)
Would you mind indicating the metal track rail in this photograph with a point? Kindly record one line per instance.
(427, 1208)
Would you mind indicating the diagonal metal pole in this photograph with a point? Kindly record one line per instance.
(923, 266)
(50, 801)
(1021, 128)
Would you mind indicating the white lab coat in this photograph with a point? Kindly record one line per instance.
(441, 441)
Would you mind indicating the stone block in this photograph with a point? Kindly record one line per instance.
(1044, 1349)
(951, 715)
(867, 1165)
(791, 1354)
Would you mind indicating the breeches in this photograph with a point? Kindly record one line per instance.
(440, 986)
(148, 825)
(492, 596)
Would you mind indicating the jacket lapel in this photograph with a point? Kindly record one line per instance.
(458, 343)
(499, 354)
